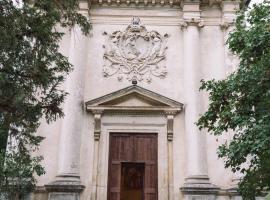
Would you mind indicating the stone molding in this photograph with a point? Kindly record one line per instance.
(65, 186)
(199, 185)
(135, 53)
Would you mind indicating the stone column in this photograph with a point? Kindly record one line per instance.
(67, 184)
(197, 183)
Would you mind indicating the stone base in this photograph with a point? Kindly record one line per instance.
(65, 188)
(63, 196)
(199, 188)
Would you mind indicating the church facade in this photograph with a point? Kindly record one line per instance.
(129, 129)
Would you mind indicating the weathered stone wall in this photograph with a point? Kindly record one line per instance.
(194, 34)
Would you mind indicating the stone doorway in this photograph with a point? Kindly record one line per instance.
(132, 167)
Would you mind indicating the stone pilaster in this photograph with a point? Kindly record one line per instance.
(231, 62)
(229, 9)
(97, 132)
(170, 120)
(67, 183)
(197, 184)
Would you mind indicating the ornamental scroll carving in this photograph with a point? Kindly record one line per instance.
(135, 54)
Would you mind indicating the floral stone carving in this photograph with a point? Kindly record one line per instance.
(135, 53)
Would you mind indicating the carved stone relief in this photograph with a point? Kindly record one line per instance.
(135, 54)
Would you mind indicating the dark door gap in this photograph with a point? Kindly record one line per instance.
(132, 181)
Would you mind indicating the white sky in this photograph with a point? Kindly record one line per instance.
(255, 1)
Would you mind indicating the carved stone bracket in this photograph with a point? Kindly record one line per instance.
(136, 54)
(192, 22)
(97, 126)
(170, 120)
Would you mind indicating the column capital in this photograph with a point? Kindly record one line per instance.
(192, 22)
(191, 14)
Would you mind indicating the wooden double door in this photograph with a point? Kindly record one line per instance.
(132, 167)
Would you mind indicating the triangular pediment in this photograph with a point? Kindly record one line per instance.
(134, 98)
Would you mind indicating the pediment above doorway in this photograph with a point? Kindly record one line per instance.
(134, 99)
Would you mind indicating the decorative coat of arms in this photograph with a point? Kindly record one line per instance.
(135, 53)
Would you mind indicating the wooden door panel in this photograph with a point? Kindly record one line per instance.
(150, 176)
(121, 147)
(115, 155)
(146, 148)
(115, 178)
(137, 148)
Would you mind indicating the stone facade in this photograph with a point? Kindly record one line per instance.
(139, 71)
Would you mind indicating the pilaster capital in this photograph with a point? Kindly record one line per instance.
(225, 24)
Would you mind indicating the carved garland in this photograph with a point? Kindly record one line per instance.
(135, 53)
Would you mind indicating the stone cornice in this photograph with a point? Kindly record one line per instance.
(171, 3)
(161, 21)
(158, 3)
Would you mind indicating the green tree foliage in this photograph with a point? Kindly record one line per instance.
(31, 72)
(241, 103)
